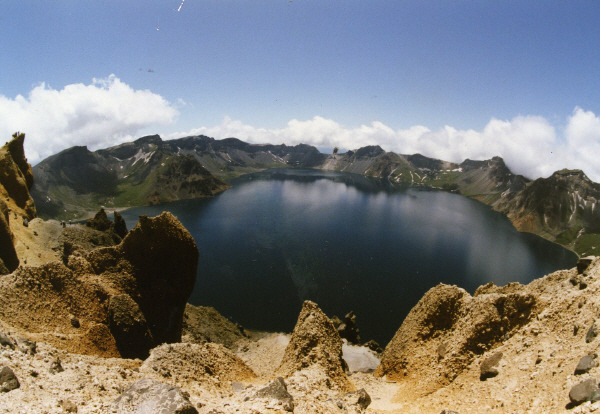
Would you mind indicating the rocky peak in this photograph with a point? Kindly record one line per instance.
(369, 151)
(148, 139)
(16, 150)
(423, 162)
(16, 177)
(469, 164)
(565, 172)
(571, 177)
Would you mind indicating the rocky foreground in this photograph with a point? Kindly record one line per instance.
(93, 319)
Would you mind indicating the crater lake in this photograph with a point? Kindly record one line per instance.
(347, 242)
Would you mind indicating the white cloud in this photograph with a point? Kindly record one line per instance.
(104, 113)
(108, 112)
(530, 145)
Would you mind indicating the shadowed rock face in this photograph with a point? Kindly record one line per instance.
(164, 257)
(100, 221)
(129, 327)
(8, 255)
(119, 225)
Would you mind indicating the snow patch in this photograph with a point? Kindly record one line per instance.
(141, 155)
(281, 160)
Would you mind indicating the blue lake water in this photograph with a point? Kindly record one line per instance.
(346, 242)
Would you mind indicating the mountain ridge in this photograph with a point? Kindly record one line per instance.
(150, 170)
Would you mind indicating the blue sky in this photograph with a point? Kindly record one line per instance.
(450, 79)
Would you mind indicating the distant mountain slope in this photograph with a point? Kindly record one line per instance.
(76, 181)
(561, 208)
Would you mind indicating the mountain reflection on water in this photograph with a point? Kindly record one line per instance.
(346, 242)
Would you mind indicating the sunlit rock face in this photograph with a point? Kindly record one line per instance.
(125, 299)
(315, 343)
(448, 328)
(16, 204)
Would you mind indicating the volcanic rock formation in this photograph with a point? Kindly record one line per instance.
(315, 343)
(16, 204)
(126, 298)
(448, 328)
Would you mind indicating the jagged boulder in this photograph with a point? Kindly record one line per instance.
(116, 230)
(148, 396)
(359, 400)
(8, 380)
(164, 257)
(119, 226)
(449, 328)
(277, 390)
(315, 343)
(206, 366)
(205, 324)
(100, 221)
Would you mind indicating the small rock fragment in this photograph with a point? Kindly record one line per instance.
(277, 390)
(148, 396)
(591, 334)
(8, 380)
(578, 281)
(348, 329)
(6, 341)
(68, 406)
(75, 322)
(489, 366)
(583, 263)
(56, 366)
(374, 346)
(584, 391)
(26, 346)
(585, 364)
(361, 399)
(441, 350)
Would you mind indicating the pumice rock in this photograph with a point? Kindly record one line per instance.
(315, 342)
